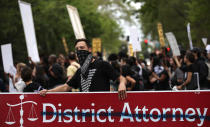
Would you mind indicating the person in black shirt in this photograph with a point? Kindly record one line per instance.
(201, 68)
(39, 75)
(26, 75)
(189, 69)
(56, 76)
(94, 75)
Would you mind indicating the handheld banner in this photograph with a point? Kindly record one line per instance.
(189, 36)
(75, 21)
(134, 40)
(173, 43)
(96, 45)
(171, 109)
(28, 25)
(160, 33)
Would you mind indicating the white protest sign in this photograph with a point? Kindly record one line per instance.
(28, 25)
(173, 43)
(7, 58)
(134, 40)
(75, 21)
(12, 70)
(208, 48)
(204, 41)
(189, 36)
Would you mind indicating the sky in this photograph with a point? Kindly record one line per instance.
(126, 26)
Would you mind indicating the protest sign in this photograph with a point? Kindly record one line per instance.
(189, 36)
(130, 50)
(134, 40)
(160, 33)
(173, 43)
(96, 45)
(204, 41)
(28, 25)
(7, 58)
(75, 21)
(65, 45)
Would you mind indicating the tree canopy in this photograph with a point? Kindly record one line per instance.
(174, 16)
(52, 22)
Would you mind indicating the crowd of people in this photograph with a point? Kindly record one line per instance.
(82, 71)
(189, 71)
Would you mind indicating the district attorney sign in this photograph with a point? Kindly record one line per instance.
(99, 109)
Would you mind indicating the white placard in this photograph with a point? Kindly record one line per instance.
(134, 40)
(28, 25)
(12, 70)
(11, 86)
(189, 36)
(204, 41)
(75, 21)
(173, 43)
(208, 48)
(7, 58)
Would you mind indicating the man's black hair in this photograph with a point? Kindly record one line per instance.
(26, 74)
(85, 40)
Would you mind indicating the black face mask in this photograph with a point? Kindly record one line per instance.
(82, 55)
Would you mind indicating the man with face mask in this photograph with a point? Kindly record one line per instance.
(94, 74)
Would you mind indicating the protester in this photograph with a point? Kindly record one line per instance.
(52, 59)
(94, 75)
(113, 60)
(26, 75)
(18, 82)
(56, 77)
(160, 77)
(72, 68)
(61, 60)
(177, 76)
(189, 70)
(3, 81)
(146, 73)
(127, 73)
(40, 76)
(208, 64)
(201, 68)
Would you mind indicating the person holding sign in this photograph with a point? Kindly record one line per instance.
(94, 74)
(189, 69)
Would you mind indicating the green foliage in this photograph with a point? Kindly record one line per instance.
(52, 22)
(174, 16)
(198, 16)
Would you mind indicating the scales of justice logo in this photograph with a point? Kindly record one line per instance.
(10, 120)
